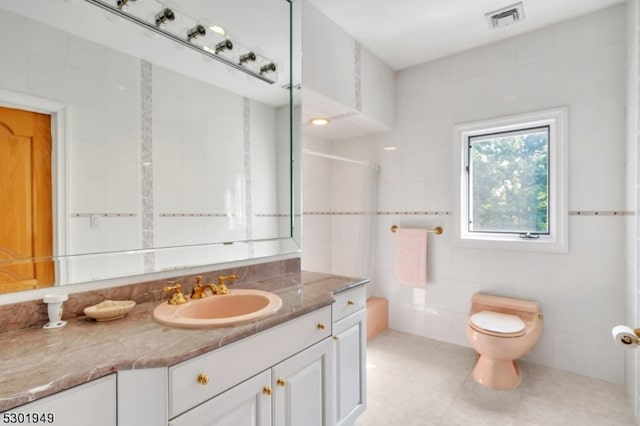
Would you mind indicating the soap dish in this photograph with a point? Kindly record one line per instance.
(109, 309)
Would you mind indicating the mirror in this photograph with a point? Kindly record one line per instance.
(162, 157)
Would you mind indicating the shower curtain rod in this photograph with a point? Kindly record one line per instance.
(335, 157)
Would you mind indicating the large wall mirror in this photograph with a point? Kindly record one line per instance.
(141, 136)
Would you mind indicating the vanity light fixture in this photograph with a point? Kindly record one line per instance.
(165, 15)
(157, 25)
(224, 45)
(270, 67)
(122, 3)
(247, 57)
(390, 148)
(197, 31)
(320, 121)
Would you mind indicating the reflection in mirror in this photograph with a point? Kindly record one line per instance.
(159, 158)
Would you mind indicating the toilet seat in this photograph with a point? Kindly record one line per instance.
(496, 323)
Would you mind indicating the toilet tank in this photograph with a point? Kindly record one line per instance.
(489, 302)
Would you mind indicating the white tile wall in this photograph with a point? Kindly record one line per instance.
(330, 69)
(579, 64)
(197, 160)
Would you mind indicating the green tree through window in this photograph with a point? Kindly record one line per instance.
(509, 181)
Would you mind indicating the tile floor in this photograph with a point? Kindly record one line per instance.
(413, 380)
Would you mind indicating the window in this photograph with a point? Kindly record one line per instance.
(512, 182)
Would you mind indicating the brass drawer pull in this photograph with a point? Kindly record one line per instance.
(281, 382)
(267, 390)
(335, 337)
(321, 326)
(350, 302)
(203, 379)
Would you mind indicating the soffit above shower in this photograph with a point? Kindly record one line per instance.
(410, 32)
(345, 122)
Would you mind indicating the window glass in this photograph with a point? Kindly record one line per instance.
(508, 176)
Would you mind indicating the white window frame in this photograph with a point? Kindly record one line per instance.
(557, 239)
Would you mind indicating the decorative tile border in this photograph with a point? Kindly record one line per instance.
(344, 213)
(601, 213)
(358, 76)
(416, 213)
(221, 215)
(103, 214)
(146, 130)
(449, 213)
(246, 126)
(334, 213)
(390, 213)
(198, 215)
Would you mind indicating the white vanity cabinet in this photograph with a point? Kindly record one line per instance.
(294, 392)
(308, 371)
(199, 379)
(349, 346)
(274, 377)
(303, 386)
(92, 403)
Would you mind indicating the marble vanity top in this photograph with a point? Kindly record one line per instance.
(35, 363)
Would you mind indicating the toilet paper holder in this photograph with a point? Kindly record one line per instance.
(628, 340)
(626, 336)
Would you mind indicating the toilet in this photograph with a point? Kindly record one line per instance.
(501, 330)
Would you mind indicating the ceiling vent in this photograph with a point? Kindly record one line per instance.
(505, 16)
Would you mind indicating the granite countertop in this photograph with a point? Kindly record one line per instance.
(35, 363)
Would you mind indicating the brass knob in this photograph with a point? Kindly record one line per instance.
(267, 390)
(350, 302)
(203, 379)
(335, 337)
(321, 326)
(281, 382)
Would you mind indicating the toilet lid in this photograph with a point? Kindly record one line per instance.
(497, 322)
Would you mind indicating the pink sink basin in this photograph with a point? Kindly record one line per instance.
(220, 310)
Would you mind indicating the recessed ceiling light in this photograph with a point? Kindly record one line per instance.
(320, 121)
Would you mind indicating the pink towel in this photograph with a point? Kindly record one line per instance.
(411, 257)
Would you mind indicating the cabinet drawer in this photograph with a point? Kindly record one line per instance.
(248, 403)
(349, 301)
(195, 381)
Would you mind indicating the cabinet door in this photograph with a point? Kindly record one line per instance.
(92, 403)
(349, 345)
(247, 404)
(302, 388)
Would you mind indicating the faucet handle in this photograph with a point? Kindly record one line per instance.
(223, 280)
(177, 298)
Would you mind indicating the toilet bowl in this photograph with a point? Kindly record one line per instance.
(501, 330)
